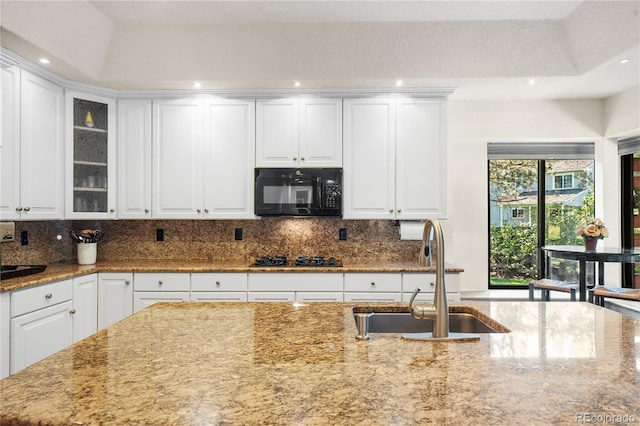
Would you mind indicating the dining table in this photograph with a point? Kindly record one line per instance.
(584, 255)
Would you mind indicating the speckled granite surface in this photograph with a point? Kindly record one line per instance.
(61, 271)
(277, 363)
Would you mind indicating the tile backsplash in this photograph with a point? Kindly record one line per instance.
(214, 240)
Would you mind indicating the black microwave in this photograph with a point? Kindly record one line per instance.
(298, 192)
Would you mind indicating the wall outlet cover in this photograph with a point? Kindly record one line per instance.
(24, 238)
(343, 234)
(159, 234)
(238, 234)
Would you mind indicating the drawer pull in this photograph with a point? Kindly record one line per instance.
(432, 284)
(72, 311)
(48, 296)
(218, 283)
(127, 282)
(373, 283)
(159, 282)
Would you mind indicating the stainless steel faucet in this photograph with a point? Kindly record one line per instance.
(433, 248)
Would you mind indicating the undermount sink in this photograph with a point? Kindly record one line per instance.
(403, 322)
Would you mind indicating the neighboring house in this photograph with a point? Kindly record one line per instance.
(567, 183)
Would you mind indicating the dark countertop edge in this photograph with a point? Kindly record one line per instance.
(62, 271)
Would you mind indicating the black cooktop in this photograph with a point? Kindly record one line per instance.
(14, 271)
(311, 261)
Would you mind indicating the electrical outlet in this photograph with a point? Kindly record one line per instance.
(343, 234)
(238, 234)
(24, 238)
(7, 231)
(159, 234)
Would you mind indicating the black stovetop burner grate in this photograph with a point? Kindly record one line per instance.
(312, 261)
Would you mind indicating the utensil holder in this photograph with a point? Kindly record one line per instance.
(87, 253)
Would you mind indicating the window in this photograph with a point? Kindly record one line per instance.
(517, 213)
(563, 181)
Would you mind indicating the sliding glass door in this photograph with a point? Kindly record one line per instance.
(533, 202)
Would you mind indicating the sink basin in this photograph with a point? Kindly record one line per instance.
(13, 271)
(405, 323)
(467, 320)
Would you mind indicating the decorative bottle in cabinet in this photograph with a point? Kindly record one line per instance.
(92, 150)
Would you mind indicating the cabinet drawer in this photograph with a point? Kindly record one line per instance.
(218, 282)
(34, 298)
(372, 297)
(427, 282)
(305, 281)
(161, 282)
(373, 282)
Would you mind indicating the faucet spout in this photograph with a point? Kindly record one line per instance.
(432, 248)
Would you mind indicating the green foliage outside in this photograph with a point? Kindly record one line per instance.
(513, 248)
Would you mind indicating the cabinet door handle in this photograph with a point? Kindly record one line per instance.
(390, 210)
(206, 210)
(399, 210)
(432, 284)
(48, 296)
(295, 158)
(146, 210)
(159, 282)
(19, 209)
(26, 209)
(198, 210)
(112, 210)
(127, 282)
(72, 311)
(302, 158)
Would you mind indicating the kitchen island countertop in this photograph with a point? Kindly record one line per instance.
(284, 363)
(61, 271)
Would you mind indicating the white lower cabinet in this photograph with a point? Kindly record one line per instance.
(41, 323)
(150, 288)
(85, 306)
(289, 287)
(427, 285)
(115, 297)
(219, 287)
(372, 287)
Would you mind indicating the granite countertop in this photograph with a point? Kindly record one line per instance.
(282, 363)
(61, 271)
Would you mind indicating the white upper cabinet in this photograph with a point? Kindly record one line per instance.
(369, 157)
(294, 132)
(395, 159)
(134, 159)
(91, 156)
(177, 159)
(421, 159)
(203, 159)
(229, 151)
(32, 147)
(10, 144)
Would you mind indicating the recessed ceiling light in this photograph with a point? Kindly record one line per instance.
(399, 83)
(531, 82)
(44, 61)
(624, 61)
(297, 84)
(197, 85)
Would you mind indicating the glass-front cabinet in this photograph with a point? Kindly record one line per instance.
(91, 156)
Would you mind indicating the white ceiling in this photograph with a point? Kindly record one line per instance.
(274, 11)
(485, 49)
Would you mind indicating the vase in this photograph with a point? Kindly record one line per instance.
(590, 243)
(87, 253)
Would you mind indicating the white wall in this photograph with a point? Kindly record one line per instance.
(474, 123)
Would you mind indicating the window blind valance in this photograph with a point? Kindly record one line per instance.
(540, 150)
(629, 145)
